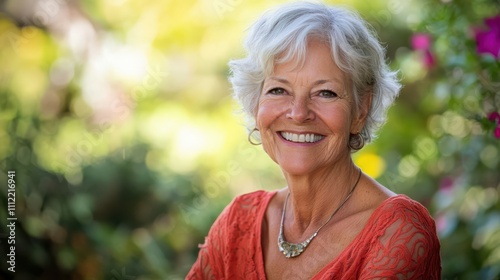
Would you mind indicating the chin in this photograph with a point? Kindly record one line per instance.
(297, 169)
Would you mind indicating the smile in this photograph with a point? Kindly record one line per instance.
(301, 138)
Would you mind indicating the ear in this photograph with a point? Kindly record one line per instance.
(361, 113)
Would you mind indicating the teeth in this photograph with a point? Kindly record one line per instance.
(301, 138)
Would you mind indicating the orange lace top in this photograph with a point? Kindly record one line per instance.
(399, 241)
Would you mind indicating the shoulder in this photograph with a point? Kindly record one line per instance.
(244, 206)
(231, 237)
(250, 202)
(241, 212)
(254, 198)
(403, 231)
(400, 217)
(402, 200)
(404, 209)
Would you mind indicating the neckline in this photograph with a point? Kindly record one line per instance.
(261, 266)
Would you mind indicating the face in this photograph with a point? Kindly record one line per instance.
(305, 114)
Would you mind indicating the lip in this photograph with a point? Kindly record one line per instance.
(279, 133)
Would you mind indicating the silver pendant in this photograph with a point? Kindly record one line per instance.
(291, 250)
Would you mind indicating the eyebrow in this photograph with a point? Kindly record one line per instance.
(316, 83)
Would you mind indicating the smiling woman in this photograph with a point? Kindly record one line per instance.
(308, 101)
(316, 88)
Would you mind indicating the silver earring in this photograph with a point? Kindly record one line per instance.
(250, 137)
(356, 142)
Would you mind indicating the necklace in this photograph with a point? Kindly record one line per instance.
(291, 250)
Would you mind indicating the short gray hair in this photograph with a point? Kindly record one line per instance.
(284, 32)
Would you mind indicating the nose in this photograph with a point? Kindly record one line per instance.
(300, 111)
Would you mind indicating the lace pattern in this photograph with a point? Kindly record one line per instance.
(399, 241)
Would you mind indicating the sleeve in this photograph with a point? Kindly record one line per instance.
(209, 264)
(408, 248)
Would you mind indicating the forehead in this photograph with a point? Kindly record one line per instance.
(316, 64)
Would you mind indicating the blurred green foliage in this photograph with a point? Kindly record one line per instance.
(117, 118)
(466, 88)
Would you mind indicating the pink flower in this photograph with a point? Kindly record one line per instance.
(495, 117)
(428, 59)
(446, 184)
(422, 42)
(488, 41)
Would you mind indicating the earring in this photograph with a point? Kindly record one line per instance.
(250, 137)
(356, 141)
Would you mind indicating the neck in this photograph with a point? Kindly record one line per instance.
(314, 197)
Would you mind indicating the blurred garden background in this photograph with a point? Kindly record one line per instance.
(118, 121)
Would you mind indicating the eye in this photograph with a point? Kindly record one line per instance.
(328, 94)
(276, 91)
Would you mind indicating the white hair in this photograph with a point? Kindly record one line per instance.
(282, 34)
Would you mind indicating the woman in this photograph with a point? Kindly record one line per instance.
(316, 88)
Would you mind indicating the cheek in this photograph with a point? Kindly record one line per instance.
(264, 120)
(267, 112)
(336, 117)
